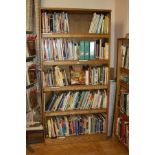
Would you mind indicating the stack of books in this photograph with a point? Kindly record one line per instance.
(100, 23)
(74, 100)
(75, 125)
(55, 22)
(63, 49)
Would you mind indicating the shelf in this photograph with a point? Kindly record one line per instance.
(36, 128)
(124, 70)
(76, 62)
(76, 10)
(75, 35)
(77, 139)
(75, 112)
(75, 87)
(124, 85)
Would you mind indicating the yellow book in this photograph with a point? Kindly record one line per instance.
(106, 25)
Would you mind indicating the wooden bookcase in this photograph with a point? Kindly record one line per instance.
(79, 23)
(121, 128)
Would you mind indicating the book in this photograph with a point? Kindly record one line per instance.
(106, 24)
(92, 50)
(92, 22)
(86, 50)
(82, 50)
(98, 30)
(77, 75)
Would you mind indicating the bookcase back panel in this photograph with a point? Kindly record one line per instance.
(79, 23)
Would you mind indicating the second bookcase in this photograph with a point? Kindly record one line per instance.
(75, 47)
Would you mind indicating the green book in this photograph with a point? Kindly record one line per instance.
(87, 50)
(81, 50)
(92, 50)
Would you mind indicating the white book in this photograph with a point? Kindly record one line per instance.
(99, 102)
(49, 128)
(87, 77)
(123, 50)
(67, 126)
(52, 128)
(97, 17)
(92, 23)
(106, 51)
(102, 27)
(99, 24)
(105, 100)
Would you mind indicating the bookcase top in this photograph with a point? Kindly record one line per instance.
(77, 10)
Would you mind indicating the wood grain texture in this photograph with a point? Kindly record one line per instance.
(76, 62)
(96, 147)
(75, 35)
(74, 112)
(75, 87)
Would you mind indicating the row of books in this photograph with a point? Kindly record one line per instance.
(75, 125)
(75, 75)
(100, 23)
(33, 110)
(77, 100)
(31, 75)
(98, 49)
(122, 130)
(55, 22)
(63, 49)
(125, 56)
(124, 102)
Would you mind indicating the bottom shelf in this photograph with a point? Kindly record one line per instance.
(77, 139)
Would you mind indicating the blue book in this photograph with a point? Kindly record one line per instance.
(52, 102)
(61, 102)
(76, 126)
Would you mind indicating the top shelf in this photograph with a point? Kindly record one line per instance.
(75, 35)
(76, 10)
